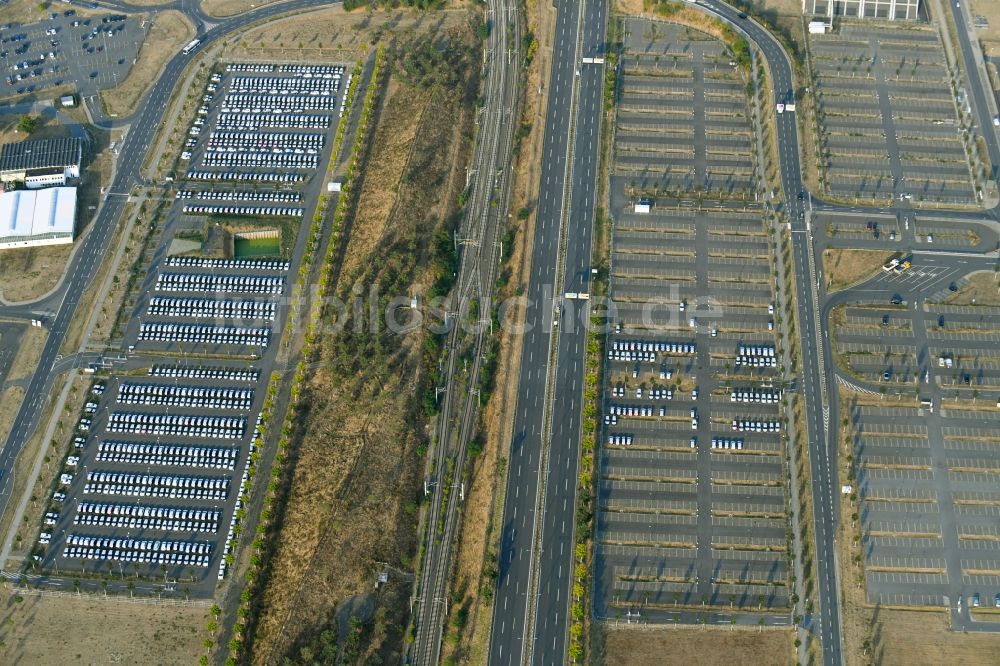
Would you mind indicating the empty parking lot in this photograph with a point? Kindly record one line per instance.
(691, 503)
(888, 117)
(926, 444)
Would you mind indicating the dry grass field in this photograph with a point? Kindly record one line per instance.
(355, 487)
(990, 37)
(696, 646)
(842, 268)
(169, 32)
(29, 11)
(332, 33)
(983, 289)
(88, 630)
(224, 8)
(31, 272)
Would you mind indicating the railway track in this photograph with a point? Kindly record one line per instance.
(478, 263)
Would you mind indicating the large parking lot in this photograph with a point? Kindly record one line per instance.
(157, 477)
(927, 448)
(93, 51)
(889, 123)
(682, 115)
(691, 505)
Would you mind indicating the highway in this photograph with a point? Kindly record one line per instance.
(93, 248)
(482, 228)
(531, 627)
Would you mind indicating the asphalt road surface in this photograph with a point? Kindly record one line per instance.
(515, 639)
(823, 456)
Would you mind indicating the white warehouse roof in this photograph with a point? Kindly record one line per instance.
(27, 215)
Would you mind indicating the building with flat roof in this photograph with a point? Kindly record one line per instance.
(889, 10)
(29, 218)
(46, 163)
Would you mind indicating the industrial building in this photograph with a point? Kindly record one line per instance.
(46, 163)
(29, 218)
(889, 10)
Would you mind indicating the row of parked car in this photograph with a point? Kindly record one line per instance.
(727, 443)
(235, 195)
(265, 160)
(211, 262)
(204, 372)
(306, 101)
(207, 308)
(755, 426)
(265, 140)
(312, 70)
(620, 440)
(133, 516)
(248, 176)
(660, 347)
(761, 397)
(756, 361)
(250, 121)
(268, 211)
(247, 67)
(154, 485)
(248, 284)
(135, 550)
(285, 85)
(138, 453)
(185, 396)
(211, 335)
(634, 410)
(747, 350)
(244, 481)
(183, 425)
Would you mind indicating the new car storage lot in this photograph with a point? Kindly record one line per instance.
(691, 497)
(928, 452)
(889, 124)
(158, 472)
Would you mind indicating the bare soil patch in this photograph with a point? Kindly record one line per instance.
(48, 630)
(696, 645)
(983, 289)
(843, 268)
(169, 32)
(31, 272)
